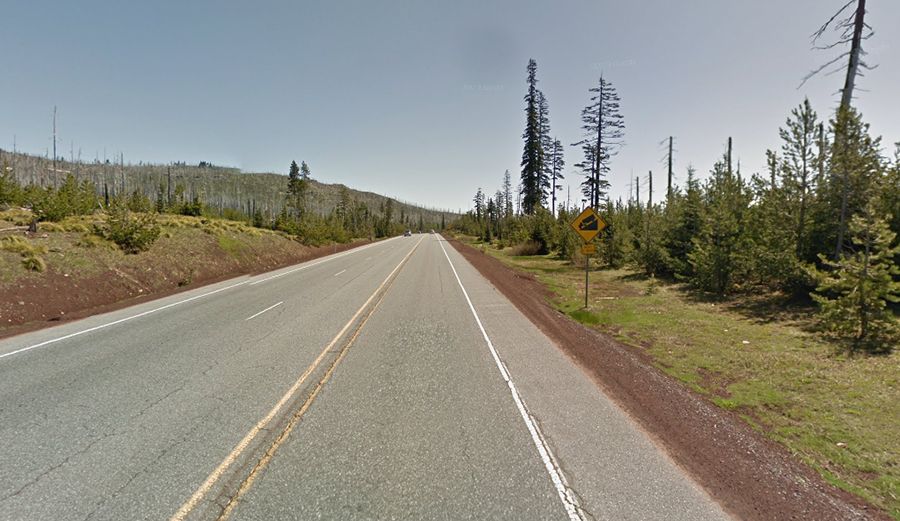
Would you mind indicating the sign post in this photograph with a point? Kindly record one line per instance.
(588, 225)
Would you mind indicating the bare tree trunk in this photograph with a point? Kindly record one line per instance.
(637, 190)
(669, 188)
(595, 195)
(650, 199)
(54, 140)
(729, 156)
(855, 49)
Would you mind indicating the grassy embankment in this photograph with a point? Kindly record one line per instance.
(840, 414)
(65, 268)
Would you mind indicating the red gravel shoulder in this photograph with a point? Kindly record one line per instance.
(750, 475)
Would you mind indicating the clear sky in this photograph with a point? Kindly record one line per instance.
(420, 100)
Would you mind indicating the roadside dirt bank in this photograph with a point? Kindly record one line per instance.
(46, 299)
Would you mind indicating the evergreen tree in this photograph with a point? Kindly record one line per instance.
(683, 218)
(557, 164)
(546, 184)
(533, 153)
(304, 171)
(296, 191)
(617, 238)
(479, 204)
(719, 251)
(854, 297)
(799, 138)
(855, 163)
(604, 129)
(507, 195)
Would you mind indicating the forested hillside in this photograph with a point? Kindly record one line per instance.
(222, 191)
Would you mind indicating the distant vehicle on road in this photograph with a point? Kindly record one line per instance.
(407, 233)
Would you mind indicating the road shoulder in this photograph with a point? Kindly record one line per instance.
(750, 476)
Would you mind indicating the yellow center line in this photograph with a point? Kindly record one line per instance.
(219, 471)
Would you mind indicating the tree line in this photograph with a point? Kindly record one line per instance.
(820, 223)
(298, 205)
(133, 227)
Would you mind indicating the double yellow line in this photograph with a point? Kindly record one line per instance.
(365, 311)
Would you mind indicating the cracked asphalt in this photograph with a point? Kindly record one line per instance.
(127, 421)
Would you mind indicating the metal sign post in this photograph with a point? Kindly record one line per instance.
(588, 225)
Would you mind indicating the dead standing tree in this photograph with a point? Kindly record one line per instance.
(853, 31)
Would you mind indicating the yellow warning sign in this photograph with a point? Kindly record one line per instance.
(588, 224)
(588, 249)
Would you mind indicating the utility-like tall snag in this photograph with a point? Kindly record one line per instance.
(669, 187)
(853, 30)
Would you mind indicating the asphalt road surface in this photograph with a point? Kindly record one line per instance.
(391, 381)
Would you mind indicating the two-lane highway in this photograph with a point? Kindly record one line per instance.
(387, 382)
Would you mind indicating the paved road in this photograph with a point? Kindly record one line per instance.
(387, 382)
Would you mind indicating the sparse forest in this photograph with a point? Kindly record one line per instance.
(313, 212)
(821, 223)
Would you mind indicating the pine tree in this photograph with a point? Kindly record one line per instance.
(545, 183)
(533, 153)
(557, 164)
(507, 195)
(854, 164)
(799, 138)
(718, 255)
(479, 204)
(604, 129)
(683, 219)
(304, 171)
(296, 191)
(853, 298)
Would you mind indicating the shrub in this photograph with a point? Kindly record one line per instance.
(72, 198)
(526, 248)
(20, 245)
(34, 263)
(133, 233)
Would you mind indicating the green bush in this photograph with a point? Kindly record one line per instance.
(55, 204)
(34, 263)
(133, 233)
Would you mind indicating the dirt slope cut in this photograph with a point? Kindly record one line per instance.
(84, 275)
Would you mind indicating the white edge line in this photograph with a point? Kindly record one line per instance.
(173, 304)
(126, 319)
(330, 258)
(251, 317)
(570, 502)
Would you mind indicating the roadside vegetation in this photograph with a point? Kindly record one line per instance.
(69, 245)
(766, 361)
(774, 293)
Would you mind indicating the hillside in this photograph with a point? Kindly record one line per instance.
(222, 188)
(80, 273)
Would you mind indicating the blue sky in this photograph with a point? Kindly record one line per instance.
(421, 100)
